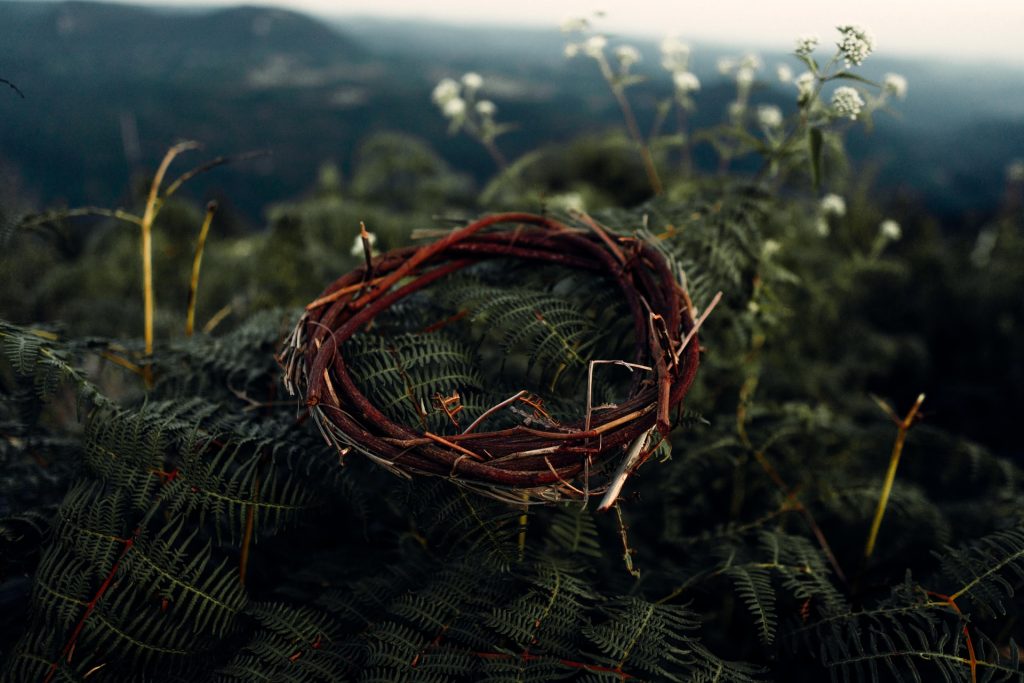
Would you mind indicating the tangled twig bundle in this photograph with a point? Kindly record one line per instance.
(592, 456)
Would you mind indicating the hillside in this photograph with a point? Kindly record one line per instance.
(108, 87)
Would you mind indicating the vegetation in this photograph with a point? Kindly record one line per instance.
(841, 497)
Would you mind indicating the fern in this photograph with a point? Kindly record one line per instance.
(988, 572)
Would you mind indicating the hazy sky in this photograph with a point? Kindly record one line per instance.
(984, 29)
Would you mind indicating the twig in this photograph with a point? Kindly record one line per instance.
(623, 472)
(627, 552)
(697, 324)
(197, 260)
(51, 216)
(902, 427)
(216, 319)
(455, 446)
(210, 165)
(493, 409)
(337, 294)
(590, 382)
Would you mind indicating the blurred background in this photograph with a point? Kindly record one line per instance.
(108, 87)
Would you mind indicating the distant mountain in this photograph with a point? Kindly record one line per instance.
(109, 42)
(108, 87)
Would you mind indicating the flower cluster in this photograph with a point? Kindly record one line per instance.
(675, 55)
(745, 71)
(627, 56)
(806, 44)
(832, 205)
(890, 230)
(895, 84)
(675, 58)
(856, 43)
(847, 102)
(769, 117)
(454, 98)
(804, 86)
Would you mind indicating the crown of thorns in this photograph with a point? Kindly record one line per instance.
(592, 456)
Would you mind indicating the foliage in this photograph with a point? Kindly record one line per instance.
(199, 528)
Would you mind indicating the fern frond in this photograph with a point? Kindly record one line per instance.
(754, 586)
(987, 572)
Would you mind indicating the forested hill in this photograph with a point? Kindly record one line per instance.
(107, 42)
(109, 87)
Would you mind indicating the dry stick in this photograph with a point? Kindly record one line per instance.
(903, 426)
(590, 383)
(493, 409)
(697, 324)
(337, 294)
(627, 552)
(50, 216)
(367, 249)
(216, 319)
(622, 473)
(147, 245)
(197, 260)
(210, 165)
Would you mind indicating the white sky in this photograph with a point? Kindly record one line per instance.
(972, 29)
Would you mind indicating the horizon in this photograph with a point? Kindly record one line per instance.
(985, 32)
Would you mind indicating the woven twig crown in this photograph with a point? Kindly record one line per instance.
(590, 456)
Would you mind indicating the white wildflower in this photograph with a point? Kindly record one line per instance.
(806, 44)
(486, 108)
(686, 81)
(594, 46)
(446, 90)
(890, 230)
(358, 249)
(1015, 171)
(571, 50)
(895, 84)
(847, 102)
(769, 116)
(784, 73)
(771, 247)
(454, 108)
(570, 202)
(744, 77)
(856, 43)
(832, 205)
(675, 54)
(472, 81)
(751, 61)
(574, 25)
(804, 85)
(726, 65)
(627, 55)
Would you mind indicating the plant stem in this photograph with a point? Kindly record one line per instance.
(197, 261)
(903, 426)
(147, 245)
(631, 125)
